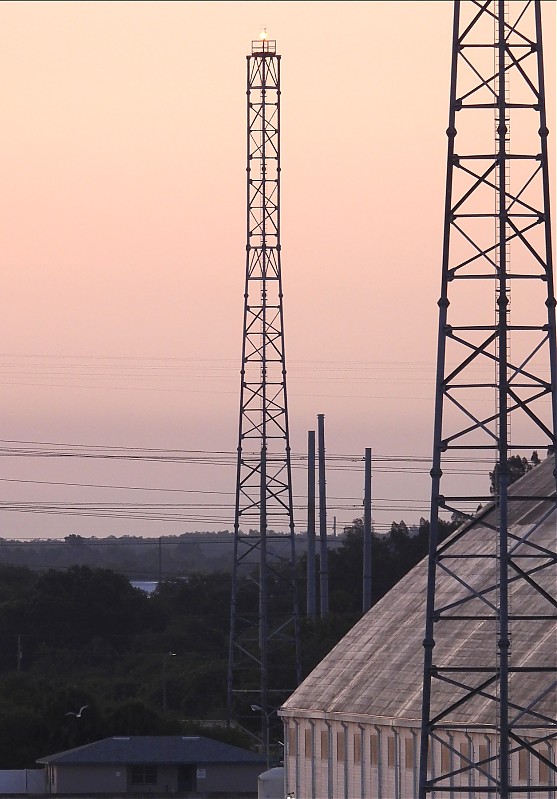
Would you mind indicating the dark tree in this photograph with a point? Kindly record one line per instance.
(517, 467)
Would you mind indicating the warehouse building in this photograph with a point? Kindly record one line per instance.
(352, 728)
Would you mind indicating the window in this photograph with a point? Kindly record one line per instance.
(445, 758)
(483, 755)
(307, 743)
(340, 746)
(143, 775)
(292, 741)
(544, 771)
(523, 764)
(464, 754)
(324, 744)
(391, 752)
(357, 747)
(374, 750)
(409, 753)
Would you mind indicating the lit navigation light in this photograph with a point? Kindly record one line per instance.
(263, 35)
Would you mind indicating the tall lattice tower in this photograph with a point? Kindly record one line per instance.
(264, 656)
(495, 576)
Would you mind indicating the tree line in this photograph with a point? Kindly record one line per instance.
(138, 558)
(148, 664)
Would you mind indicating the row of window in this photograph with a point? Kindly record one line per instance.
(373, 755)
(527, 766)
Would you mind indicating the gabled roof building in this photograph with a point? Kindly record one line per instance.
(352, 728)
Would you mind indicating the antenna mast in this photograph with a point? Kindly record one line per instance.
(264, 654)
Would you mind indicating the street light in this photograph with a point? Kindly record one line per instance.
(266, 716)
(165, 655)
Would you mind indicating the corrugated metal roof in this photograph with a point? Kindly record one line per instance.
(154, 750)
(375, 672)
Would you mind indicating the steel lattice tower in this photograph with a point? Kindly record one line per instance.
(495, 365)
(264, 656)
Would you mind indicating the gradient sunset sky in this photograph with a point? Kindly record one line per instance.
(122, 241)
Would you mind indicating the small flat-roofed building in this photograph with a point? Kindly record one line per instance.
(194, 766)
(352, 728)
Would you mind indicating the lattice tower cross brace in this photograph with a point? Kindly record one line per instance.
(497, 203)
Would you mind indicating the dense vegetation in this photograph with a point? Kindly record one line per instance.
(137, 558)
(147, 664)
(517, 467)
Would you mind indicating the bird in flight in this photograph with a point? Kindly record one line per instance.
(77, 715)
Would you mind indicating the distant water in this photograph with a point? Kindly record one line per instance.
(145, 585)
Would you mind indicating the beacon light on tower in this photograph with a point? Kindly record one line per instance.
(263, 45)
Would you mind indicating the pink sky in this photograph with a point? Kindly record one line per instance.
(122, 238)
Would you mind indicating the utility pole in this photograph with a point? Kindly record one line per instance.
(311, 586)
(366, 593)
(264, 664)
(160, 560)
(493, 368)
(323, 552)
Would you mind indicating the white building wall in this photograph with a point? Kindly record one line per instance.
(334, 759)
